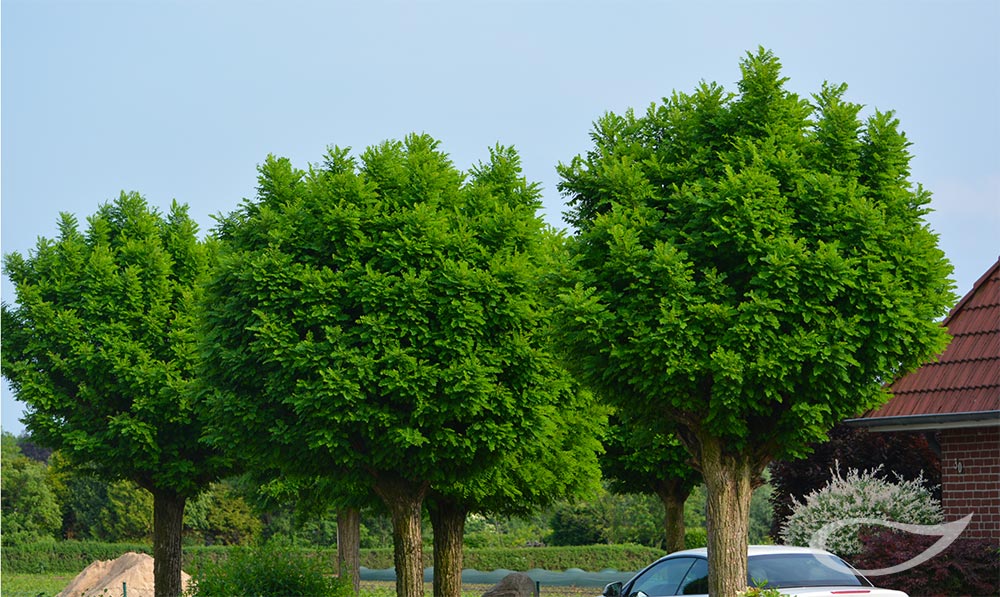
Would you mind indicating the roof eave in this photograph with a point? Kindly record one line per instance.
(927, 422)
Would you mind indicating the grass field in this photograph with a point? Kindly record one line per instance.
(33, 585)
(48, 585)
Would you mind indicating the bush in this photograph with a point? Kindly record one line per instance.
(220, 516)
(859, 495)
(577, 524)
(28, 507)
(593, 558)
(696, 537)
(51, 556)
(906, 455)
(71, 557)
(967, 567)
(267, 569)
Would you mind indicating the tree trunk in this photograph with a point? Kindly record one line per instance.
(448, 520)
(673, 494)
(349, 545)
(404, 499)
(168, 520)
(729, 483)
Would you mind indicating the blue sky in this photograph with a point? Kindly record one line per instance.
(182, 99)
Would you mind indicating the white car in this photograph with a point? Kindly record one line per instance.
(797, 571)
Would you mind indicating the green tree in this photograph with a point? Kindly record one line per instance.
(306, 502)
(93, 508)
(752, 268)
(221, 516)
(379, 322)
(127, 514)
(28, 507)
(100, 346)
(556, 459)
(638, 459)
(577, 523)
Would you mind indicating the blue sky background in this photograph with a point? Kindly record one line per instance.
(182, 99)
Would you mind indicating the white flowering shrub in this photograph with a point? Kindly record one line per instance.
(859, 495)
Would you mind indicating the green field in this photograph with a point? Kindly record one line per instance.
(33, 585)
(48, 585)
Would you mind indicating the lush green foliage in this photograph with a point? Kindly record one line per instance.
(100, 344)
(101, 347)
(378, 327)
(859, 495)
(638, 519)
(750, 269)
(128, 514)
(383, 316)
(637, 459)
(754, 266)
(267, 569)
(98, 510)
(576, 524)
(29, 510)
(220, 516)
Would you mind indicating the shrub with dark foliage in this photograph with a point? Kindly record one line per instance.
(576, 524)
(905, 455)
(969, 567)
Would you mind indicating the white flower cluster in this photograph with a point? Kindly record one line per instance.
(859, 495)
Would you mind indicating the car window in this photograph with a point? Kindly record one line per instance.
(662, 579)
(801, 570)
(696, 580)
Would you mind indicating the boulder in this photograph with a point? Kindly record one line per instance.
(516, 584)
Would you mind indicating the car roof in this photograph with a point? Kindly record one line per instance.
(755, 550)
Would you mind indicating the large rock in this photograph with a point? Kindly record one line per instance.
(515, 584)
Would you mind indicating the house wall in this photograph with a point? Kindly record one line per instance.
(970, 479)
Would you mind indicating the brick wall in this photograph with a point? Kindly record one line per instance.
(970, 479)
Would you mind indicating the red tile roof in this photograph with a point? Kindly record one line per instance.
(966, 377)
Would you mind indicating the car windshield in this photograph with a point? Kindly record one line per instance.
(802, 570)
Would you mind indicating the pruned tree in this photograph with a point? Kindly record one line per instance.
(638, 459)
(379, 322)
(753, 267)
(100, 345)
(556, 459)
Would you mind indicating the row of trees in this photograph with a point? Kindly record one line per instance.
(44, 500)
(745, 271)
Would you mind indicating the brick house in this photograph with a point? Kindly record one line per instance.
(957, 401)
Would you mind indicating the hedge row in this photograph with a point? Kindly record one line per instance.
(62, 556)
(593, 558)
(74, 556)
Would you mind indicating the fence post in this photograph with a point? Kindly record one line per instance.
(124, 589)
